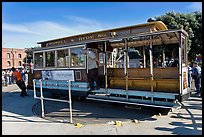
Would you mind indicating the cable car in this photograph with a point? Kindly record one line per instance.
(144, 64)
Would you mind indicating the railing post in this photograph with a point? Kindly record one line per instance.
(41, 98)
(34, 88)
(70, 102)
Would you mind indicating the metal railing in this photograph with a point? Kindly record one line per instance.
(51, 99)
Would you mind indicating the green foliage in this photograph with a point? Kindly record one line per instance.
(191, 23)
(29, 55)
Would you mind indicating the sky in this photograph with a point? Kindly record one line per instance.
(24, 24)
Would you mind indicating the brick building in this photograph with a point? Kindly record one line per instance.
(12, 57)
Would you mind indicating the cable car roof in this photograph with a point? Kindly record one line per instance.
(137, 35)
(105, 34)
(164, 37)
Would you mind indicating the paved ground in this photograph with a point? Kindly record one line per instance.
(21, 116)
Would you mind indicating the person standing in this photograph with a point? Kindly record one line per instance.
(196, 75)
(93, 64)
(189, 75)
(23, 74)
(8, 77)
(5, 78)
(11, 77)
(26, 78)
(20, 82)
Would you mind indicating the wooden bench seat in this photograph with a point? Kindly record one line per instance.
(168, 85)
(164, 79)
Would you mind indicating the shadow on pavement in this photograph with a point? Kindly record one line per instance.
(18, 109)
(183, 128)
(92, 112)
(13, 103)
(87, 112)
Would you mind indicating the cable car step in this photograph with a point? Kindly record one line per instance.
(104, 98)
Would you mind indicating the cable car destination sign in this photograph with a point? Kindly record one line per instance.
(76, 39)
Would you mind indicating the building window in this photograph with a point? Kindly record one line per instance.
(8, 55)
(8, 63)
(50, 58)
(19, 55)
(19, 63)
(62, 58)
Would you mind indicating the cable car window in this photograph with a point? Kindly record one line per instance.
(77, 57)
(62, 58)
(38, 60)
(50, 58)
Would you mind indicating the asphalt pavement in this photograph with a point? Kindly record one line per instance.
(22, 116)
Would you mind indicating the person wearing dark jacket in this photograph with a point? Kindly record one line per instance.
(196, 75)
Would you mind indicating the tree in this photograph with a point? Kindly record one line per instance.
(191, 23)
(29, 54)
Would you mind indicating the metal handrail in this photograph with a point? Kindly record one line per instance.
(51, 99)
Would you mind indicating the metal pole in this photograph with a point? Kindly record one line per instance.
(163, 57)
(144, 58)
(180, 65)
(34, 88)
(151, 66)
(41, 98)
(126, 65)
(70, 102)
(105, 70)
(87, 69)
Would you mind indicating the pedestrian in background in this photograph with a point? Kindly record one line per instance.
(3, 81)
(11, 77)
(23, 73)
(5, 77)
(196, 75)
(26, 78)
(8, 77)
(19, 81)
